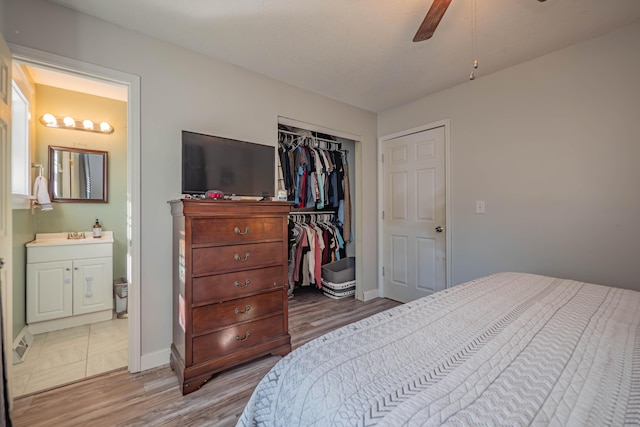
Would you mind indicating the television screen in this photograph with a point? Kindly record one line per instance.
(234, 167)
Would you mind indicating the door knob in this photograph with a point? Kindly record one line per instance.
(439, 229)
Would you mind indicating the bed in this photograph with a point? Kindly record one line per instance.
(510, 349)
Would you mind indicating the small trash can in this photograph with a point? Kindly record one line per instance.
(121, 291)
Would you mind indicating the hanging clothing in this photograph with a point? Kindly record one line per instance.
(315, 243)
(346, 223)
(314, 174)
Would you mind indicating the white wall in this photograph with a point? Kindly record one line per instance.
(553, 147)
(184, 90)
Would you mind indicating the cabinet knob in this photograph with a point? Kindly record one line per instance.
(246, 310)
(238, 231)
(238, 285)
(237, 257)
(243, 339)
(68, 269)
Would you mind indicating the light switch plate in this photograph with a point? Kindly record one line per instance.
(479, 206)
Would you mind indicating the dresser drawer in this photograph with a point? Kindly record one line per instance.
(222, 259)
(214, 316)
(236, 338)
(231, 231)
(233, 285)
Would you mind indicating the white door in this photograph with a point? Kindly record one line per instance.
(414, 215)
(92, 285)
(49, 291)
(6, 278)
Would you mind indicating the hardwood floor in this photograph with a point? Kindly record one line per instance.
(153, 397)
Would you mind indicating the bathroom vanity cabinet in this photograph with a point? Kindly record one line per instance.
(69, 281)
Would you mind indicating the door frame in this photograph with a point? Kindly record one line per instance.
(446, 123)
(6, 271)
(132, 83)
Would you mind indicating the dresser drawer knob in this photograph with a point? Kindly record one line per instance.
(237, 230)
(237, 257)
(246, 310)
(243, 339)
(238, 285)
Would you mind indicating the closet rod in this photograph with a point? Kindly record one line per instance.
(304, 136)
(312, 217)
(312, 212)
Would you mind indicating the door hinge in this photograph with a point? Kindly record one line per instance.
(382, 158)
(382, 214)
(383, 271)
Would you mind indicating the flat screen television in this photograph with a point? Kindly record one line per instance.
(237, 168)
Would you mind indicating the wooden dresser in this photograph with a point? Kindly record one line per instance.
(229, 286)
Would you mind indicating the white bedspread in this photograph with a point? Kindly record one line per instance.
(509, 349)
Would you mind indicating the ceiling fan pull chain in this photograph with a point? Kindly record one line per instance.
(472, 76)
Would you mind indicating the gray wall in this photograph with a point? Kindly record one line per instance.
(184, 90)
(553, 147)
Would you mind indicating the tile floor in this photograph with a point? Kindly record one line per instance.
(68, 355)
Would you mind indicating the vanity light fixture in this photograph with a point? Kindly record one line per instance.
(68, 122)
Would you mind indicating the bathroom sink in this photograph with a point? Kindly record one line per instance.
(56, 239)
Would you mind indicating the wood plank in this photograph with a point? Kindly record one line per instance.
(154, 398)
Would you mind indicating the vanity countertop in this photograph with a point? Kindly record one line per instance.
(60, 239)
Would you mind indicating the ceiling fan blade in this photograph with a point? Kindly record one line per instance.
(431, 21)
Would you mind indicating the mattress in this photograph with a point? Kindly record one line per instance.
(508, 349)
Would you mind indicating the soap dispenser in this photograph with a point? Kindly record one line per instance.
(97, 230)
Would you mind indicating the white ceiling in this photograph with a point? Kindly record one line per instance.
(360, 51)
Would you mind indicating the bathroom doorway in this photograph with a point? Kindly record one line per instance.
(71, 354)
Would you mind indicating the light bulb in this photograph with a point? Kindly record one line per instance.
(49, 119)
(88, 124)
(68, 121)
(105, 127)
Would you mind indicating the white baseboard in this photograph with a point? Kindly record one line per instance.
(153, 360)
(369, 295)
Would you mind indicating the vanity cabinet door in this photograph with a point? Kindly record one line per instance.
(49, 290)
(92, 285)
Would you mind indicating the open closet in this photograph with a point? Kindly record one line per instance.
(316, 175)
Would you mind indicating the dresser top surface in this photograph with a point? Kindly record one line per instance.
(193, 207)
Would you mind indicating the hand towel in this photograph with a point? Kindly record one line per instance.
(42, 194)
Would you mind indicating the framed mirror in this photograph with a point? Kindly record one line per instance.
(77, 175)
